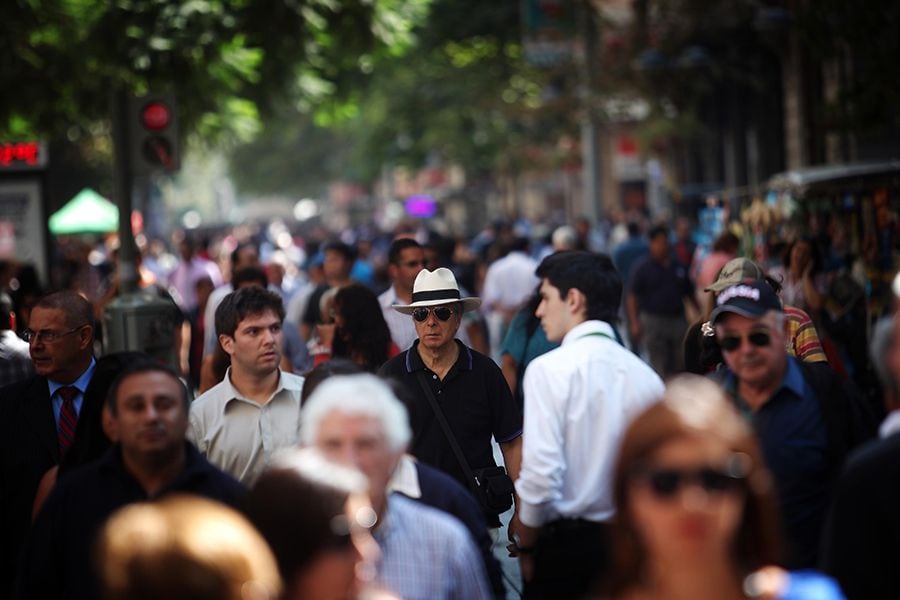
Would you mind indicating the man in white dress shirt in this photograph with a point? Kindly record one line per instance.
(579, 399)
(508, 283)
(405, 259)
(240, 422)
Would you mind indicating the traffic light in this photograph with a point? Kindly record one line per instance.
(153, 132)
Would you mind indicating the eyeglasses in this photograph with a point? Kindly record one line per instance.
(47, 336)
(443, 313)
(666, 483)
(760, 339)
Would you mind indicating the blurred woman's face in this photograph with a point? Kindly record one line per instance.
(800, 254)
(337, 316)
(687, 502)
(342, 571)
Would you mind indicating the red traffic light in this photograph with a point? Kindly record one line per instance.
(155, 116)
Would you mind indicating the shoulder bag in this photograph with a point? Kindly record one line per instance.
(491, 486)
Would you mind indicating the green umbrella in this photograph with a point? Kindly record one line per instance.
(88, 212)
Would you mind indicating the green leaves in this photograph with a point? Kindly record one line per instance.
(226, 61)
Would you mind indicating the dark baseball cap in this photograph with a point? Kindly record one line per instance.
(751, 300)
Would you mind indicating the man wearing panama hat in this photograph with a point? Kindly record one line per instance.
(467, 386)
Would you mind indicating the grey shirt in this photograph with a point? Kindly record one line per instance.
(239, 435)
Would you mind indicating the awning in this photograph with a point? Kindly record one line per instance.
(88, 212)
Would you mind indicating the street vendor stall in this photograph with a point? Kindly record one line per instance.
(854, 209)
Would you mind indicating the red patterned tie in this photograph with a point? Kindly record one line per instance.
(68, 418)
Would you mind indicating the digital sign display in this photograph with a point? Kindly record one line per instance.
(421, 206)
(22, 156)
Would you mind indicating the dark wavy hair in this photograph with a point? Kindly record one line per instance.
(363, 335)
(240, 304)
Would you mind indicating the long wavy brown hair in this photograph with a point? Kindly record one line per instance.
(692, 406)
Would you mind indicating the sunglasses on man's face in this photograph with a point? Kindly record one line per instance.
(667, 483)
(760, 339)
(443, 313)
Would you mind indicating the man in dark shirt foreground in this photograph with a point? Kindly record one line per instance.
(148, 408)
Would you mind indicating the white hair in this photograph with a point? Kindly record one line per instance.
(314, 466)
(564, 238)
(356, 395)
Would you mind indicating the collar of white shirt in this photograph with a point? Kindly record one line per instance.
(406, 478)
(890, 425)
(586, 328)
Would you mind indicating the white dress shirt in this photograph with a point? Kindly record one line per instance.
(890, 425)
(403, 331)
(509, 282)
(239, 435)
(579, 399)
(185, 276)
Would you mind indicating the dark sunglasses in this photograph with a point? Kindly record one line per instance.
(443, 313)
(760, 339)
(666, 483)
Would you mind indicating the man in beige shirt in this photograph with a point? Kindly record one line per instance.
(239, 423)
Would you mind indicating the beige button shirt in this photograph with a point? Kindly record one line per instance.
(239, 435)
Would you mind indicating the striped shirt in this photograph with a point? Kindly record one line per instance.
(803, 341)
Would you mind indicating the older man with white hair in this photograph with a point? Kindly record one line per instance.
(357, 420)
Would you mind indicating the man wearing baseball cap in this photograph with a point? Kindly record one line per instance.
(806, 417)
(802, 337)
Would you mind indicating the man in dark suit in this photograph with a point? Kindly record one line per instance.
(147, 419)
(861, 541)
(39, 415)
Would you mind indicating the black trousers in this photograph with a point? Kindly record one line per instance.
(570, 557)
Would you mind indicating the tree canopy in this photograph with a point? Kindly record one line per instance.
(227, 61)
(463, 94)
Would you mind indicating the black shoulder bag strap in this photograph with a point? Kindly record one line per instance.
(457, 451)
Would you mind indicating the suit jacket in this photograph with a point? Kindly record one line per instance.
(28, 449)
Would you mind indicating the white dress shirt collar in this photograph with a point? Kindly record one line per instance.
(588, 328)
(890, 425)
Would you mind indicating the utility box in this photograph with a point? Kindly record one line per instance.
(141, 322)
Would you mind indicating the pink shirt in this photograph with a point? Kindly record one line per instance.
(710, 269)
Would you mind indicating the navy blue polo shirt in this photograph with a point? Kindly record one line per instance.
(475, 400)
(660, 288)
(794, 442)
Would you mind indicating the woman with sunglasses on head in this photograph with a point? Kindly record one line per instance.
(696, 508)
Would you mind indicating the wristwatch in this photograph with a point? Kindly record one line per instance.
(517, 541)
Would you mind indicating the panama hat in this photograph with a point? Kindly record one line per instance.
(433, 288)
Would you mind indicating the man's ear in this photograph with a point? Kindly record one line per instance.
(110, 424)
(86, 336)
(227, 343)
(576, 301)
